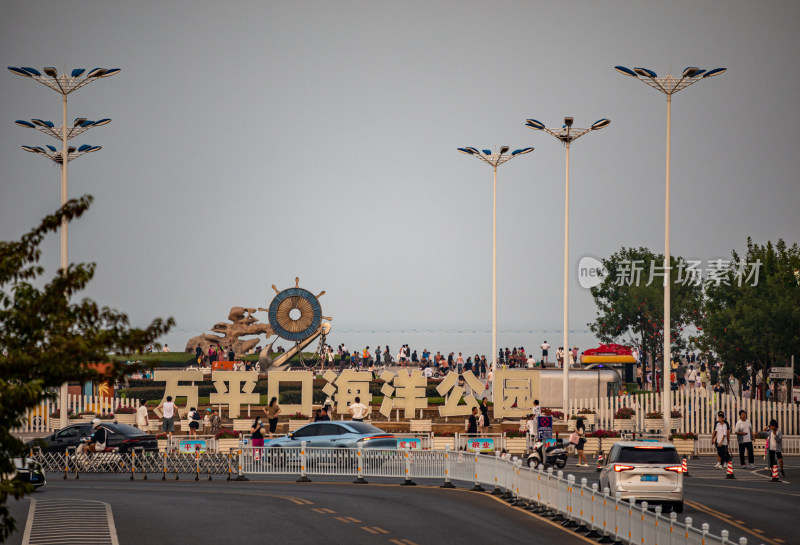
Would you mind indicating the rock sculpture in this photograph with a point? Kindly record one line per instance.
(242, 324)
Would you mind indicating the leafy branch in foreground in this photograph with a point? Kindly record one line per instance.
(48, 339)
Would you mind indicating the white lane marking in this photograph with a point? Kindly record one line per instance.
(70, 521)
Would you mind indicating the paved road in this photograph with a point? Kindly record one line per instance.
(749, 506)
(287, 512)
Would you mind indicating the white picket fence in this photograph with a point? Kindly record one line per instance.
(698, 412)
(40, 419)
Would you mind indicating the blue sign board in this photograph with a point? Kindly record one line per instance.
(544, 427)
(480, 444)
(412, 443)
(192, 445)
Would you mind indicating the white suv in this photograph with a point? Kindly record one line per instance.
(644, 470)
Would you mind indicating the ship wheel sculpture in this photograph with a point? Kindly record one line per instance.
(296, 315)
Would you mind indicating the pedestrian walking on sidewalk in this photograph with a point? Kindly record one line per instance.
(744, 435)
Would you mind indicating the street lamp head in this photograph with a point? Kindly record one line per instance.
(504, 149)
(644, 72)
(42, 123)
(468, 151)
(50, 71)
(96, 73)
(714, 72)
(26, 124)
(18, 71)
(692, 72)
(521, 151)
(487, 152)
(534, 124)
(31, 71)
(101, 122)
(626, 71)
(76, 72)
(110, 72)
(79, 121)
(597, 125)
(568, 121)
(32, 149)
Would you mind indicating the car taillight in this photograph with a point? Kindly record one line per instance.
(620, 467)
(376, 437)
(676, 469)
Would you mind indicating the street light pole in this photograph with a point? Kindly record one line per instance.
(494, 160)
(566, 134)
(669, 85)
(64, 85)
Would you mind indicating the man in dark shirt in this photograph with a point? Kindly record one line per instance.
(472, 425)
(323, 415)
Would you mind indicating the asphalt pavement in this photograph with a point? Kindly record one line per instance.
(333, 510)
(219, 512)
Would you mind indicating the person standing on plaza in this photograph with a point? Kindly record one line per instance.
(168, 422)
(216, 422)
(357, 410)
(460, 363)
(691, 377)
(722, 434)
(194, 419)
(680, 373)
(483, 366)
(257, 432)
(378, 355)
(545, 351)
(472, 424)
(560, 357)
(580, 429)
(142, 418)
(775, 445)
(744, 435)
(485, 415)
(272, 411)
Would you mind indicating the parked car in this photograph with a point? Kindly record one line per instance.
(121, 438)
(646, 471)
(339, 434)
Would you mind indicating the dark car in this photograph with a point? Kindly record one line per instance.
(337, 434)
(121, 437)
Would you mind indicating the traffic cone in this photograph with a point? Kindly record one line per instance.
(730, 471)
(775, 478)
(685, 468)
(600, 461)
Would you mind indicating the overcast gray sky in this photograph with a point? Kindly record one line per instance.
(253, 142)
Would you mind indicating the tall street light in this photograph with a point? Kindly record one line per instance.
(63, 84)
(669, 85)
(567, 134)
(494, 160)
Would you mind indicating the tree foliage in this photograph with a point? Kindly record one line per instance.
(630, 301)
(753, 321)
(47, 338)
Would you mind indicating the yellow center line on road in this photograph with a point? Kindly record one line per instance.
(374, 530)
(402, 542)
(730, 520)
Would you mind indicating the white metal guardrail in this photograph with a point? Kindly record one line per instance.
(547, 492)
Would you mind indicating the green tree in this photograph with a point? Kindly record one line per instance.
(630, 301)
(48, 339)
(752, 310)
